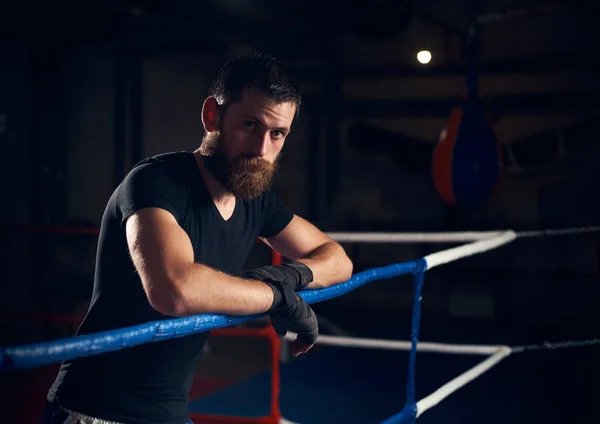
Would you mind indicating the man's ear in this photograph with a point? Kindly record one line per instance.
(210, 114)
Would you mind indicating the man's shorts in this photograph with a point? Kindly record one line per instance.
(55, 414)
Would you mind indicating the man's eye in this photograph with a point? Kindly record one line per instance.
(277, 134)
(249, 124)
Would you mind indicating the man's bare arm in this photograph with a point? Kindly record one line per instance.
(176, 286)
(301, 241)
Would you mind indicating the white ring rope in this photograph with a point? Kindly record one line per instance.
(437, 347)
(464, 349)
(376, 237)
(448, 255)
(448, 237)
(458, 382)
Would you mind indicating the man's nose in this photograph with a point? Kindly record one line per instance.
(261, 145)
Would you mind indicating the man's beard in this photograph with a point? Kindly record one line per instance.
(243, 175)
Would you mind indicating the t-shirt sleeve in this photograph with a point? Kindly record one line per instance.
(149, 186)
(276, 216)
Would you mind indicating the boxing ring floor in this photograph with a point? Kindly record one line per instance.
(335, 384)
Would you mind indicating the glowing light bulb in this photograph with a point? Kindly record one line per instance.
(424, 56)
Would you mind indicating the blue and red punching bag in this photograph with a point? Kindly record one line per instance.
(467, 161)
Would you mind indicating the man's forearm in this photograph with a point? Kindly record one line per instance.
(330, 265)
(200, 289)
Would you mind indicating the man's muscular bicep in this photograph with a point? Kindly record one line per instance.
(161, 251)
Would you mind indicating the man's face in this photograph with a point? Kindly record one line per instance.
(243, 154)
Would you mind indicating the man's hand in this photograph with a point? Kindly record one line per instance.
(293, 273)
(298, 317)
(289, 311)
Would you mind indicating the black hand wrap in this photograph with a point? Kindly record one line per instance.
(290, 312)
(295, 273)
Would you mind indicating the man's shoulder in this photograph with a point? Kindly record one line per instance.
(171, 166)
(166, 160)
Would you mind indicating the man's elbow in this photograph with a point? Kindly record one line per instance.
(346, 268)
(343, 268)
(166, 299)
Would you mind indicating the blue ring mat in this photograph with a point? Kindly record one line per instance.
(363, 386)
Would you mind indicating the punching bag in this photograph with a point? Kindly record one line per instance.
(467, 162)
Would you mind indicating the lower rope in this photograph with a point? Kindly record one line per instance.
(557, 345)
(560, 232)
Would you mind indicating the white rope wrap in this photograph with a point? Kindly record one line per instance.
(458, 382)
(449, 255)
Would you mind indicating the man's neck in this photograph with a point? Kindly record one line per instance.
(219, 194)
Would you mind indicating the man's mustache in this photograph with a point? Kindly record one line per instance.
(250, 160)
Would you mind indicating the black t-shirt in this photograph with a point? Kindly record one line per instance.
(150, 383)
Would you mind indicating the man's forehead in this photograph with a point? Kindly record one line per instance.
(253, 101)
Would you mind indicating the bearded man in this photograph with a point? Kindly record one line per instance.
(173, 240)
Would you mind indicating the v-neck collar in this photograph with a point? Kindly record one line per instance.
(214, 207)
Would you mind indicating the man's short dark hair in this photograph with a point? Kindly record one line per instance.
(259, 72)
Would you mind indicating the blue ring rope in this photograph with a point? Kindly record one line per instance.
(38, 354)
(408, 415)
(44, 353)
